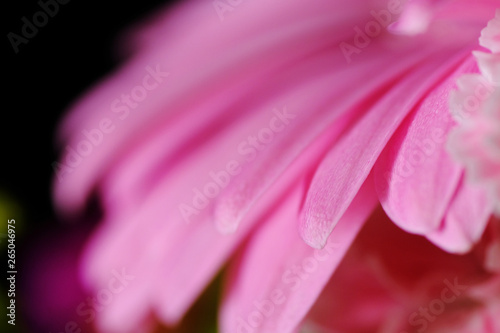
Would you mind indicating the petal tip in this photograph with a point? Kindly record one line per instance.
(311, 233)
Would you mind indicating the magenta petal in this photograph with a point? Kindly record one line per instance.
(465, 220)
(276, 280)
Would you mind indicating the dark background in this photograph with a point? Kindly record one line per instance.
(71, 52)
(67, 56)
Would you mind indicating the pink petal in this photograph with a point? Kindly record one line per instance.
(281, 276)
(415, 177)
(158, 238)
(320, 109)
(347, 165)
(465, 219)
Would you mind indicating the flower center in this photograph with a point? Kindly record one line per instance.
(475, 142)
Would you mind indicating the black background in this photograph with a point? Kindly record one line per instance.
(67, 56)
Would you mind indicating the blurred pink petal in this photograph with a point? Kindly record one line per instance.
(394, 282)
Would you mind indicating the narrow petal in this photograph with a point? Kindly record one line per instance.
(347, 165)
(157, 230)
(415, 176)
(276, 280)
(322, 109)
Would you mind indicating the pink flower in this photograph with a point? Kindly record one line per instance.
(262, 132)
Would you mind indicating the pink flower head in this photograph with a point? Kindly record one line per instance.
(266, 132)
